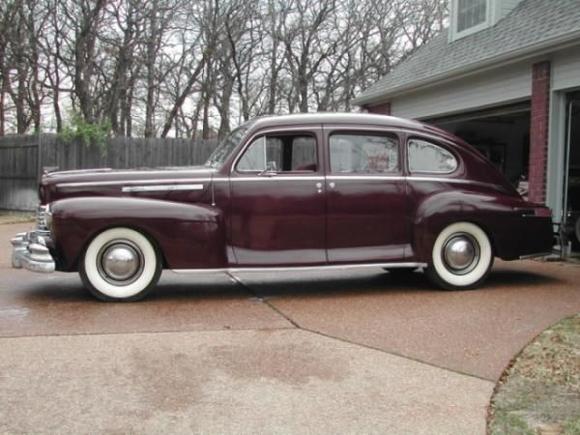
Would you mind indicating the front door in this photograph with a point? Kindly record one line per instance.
(367, 207)
(278, 208)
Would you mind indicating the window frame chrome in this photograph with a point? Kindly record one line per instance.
(438, 144)
(308, 130)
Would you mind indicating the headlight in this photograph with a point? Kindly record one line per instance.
(48, 218)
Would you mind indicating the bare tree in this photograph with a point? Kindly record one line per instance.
(85, 19)
(176, 67)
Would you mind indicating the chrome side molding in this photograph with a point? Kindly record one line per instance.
(165, 181)
(537, 255)
(396, 265)
(162, 188)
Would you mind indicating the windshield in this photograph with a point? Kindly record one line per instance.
(226, 146)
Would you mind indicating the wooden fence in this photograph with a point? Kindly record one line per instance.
(23, 158)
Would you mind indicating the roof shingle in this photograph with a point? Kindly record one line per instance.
(532, 22)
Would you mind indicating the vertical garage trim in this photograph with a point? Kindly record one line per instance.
(539, 131)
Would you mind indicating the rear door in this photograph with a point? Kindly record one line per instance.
(367, 218)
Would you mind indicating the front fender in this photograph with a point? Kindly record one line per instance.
(187, 235)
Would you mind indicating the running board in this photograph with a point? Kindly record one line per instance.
(537, 255)
(303, 268)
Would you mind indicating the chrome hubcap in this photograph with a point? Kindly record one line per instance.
(460, 253)
(120, 262)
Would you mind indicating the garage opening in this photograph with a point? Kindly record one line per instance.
(571, 196)
(501, 134)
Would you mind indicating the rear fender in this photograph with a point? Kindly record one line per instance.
(187, 235)
(496, 215)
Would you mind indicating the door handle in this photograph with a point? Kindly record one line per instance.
(319, 187)
(332, 184)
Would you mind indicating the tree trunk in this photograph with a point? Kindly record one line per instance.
(150, 65)
(183, 95)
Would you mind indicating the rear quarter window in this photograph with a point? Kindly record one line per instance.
(426, 156)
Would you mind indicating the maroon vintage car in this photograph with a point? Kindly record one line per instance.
(290, 192)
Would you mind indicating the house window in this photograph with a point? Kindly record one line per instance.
(470, 13)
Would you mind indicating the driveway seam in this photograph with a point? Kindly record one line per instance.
(255, 294)
(344, 340)
(366, 346)
(171, 331)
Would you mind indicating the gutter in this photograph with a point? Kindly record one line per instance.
(507, 58)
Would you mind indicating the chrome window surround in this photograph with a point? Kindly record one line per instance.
(367, 132)
(250, 140)
(264, 136)
(457, 160)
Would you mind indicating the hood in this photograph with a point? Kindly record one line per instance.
(63, 184)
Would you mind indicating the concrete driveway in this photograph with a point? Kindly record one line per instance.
(267, 353)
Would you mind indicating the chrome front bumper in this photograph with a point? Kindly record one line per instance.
(29, 250)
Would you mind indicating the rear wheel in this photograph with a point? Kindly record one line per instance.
(120, 264)
(461, 258)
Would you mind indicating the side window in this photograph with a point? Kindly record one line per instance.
(255, 156)
(280, 153)
(363, 153)
(425, 156)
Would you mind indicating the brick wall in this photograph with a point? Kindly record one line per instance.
(539, 131)
(381, 109)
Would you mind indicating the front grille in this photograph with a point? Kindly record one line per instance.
(41, 217)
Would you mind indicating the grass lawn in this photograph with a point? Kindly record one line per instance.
(13, 217)
(540, 392)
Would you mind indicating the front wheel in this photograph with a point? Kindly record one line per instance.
(120, 264)
(461, 258)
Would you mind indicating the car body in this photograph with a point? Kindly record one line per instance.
(288, 192)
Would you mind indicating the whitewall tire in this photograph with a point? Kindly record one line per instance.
(120, 264)
(461, 257)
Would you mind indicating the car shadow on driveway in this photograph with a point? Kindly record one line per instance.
(68, 287)
(61, 306)
(326, 284)
(518, 278)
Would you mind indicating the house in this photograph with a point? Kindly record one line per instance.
(505, 76)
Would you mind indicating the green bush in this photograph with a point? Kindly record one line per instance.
(88, 133)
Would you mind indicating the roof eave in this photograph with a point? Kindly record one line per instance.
(562, 42)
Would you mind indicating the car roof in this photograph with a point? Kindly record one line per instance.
(345, 118)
